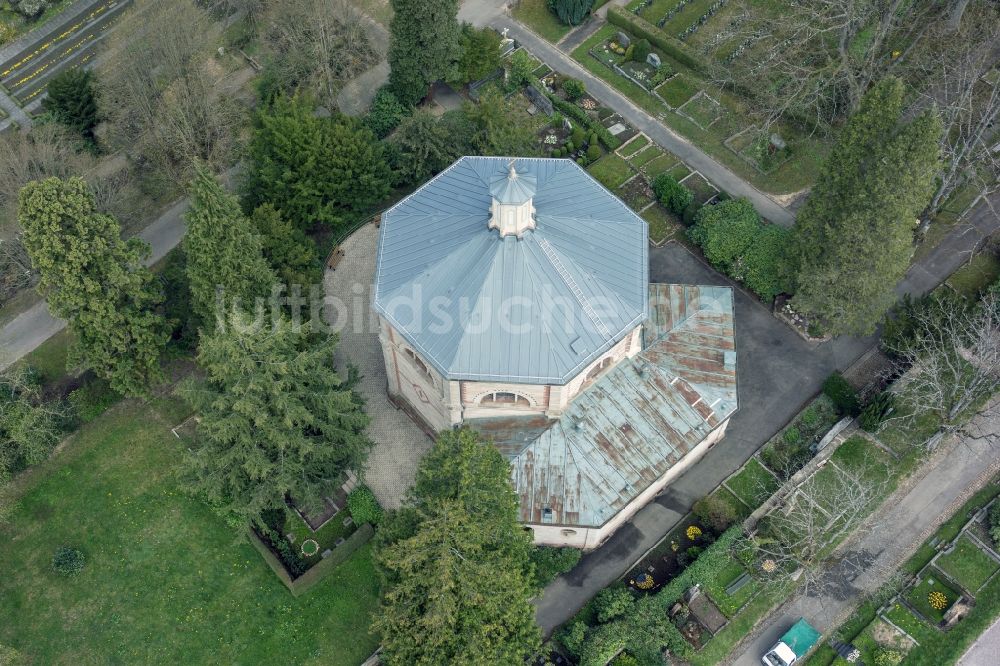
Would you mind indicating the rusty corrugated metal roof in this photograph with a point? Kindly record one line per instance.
(637, 421)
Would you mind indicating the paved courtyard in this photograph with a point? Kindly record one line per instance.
(399, 443)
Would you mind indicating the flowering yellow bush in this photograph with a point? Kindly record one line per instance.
(937, 600)
(693, 532)
(7, 32)
(769, 566)
(645, 582)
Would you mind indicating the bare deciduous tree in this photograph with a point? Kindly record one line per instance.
(155, 44)
(815, 58)
(952, 360)
(316, 44)
(957, 63)
(797, 537)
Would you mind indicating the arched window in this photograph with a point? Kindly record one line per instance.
(421, 366)
(596, 371)
(504, 399)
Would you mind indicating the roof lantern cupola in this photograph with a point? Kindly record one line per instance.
(512, 212)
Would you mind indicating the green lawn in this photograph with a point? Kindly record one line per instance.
(662, 163)
(646, 156)
(973, 277)
(677, 90)
(536, 15)
(903, 617)
(968, 565)
(662, 224)
(166, 581)
(611, 171)
(753, 484)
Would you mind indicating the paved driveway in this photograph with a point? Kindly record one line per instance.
(778, 373)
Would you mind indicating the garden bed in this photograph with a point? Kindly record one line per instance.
(634, 146)
(640, 159)
(663, 225)
(702, 110)
(789, 450)
(968, 565)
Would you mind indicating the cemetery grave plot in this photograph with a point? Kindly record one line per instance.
(663, 163)
(968, 564)
(26, 74)
(619, 128)
(646, 156)
(761, 150)
(702, 110)
(611, 171)
(634, 146)
(703, 190)
(663, 225)
(878, 636)
(919, 595)
(677, 90)
(637, 193)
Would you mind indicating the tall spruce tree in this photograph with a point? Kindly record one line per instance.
(425, 44)
(853, 238)
(223, 253)
(72, 100)
(455, 563)
(276, 420)
(314, 170)
(96, 282)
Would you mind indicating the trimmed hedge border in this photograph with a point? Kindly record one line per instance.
(640, 27)
(610, 141)
(321, 569)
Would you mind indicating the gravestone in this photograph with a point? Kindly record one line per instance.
(623, 40)
(348, 521)
(654, 60)
(326, 553)
(539, 99)
(778, 142)
(617, 129)
(340, 540)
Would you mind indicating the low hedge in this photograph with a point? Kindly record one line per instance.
(574, 112)
(642, 28)
(321, 569)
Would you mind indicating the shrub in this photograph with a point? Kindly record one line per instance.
(937, 600)
(68, 561)
(364, 506)
(551, 562)
(672, 194)
(556, 152)
(570, 146)
(594, 152)
(692, 532)
(570, 12)
(556, 120)
(578, 137)
(641, 50)
(385, 114)
(519, 68)
(994, 517)
(875, 411)
(842, 394)
(582, 160)
(92, 399)
(694, 551)
(574, 89)
(715, 512)
(32, 8)
(792, 436)
(725, 231)
(613, 602)
(592, 138)
(624, 659)
(572, 638)
(580, 116)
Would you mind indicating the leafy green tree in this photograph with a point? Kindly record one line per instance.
(277, 420)
(425, 43)
(455, 563)
(479, 54)
(72, 100)
(765, 267)
(293, 255)
(519, 69)
(385, 113)
(571, 12)
(30, 428)
(95, 281)
(224, 253)
(725, 231)
(550, 562)
(853, 237)
(499, 128)
(672, 194)
(426, 146)
(314, 170)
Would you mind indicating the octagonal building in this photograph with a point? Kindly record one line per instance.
(513, 296)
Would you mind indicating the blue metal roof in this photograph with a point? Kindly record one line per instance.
(623, 433)
(536, 309)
